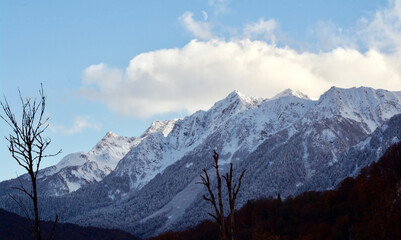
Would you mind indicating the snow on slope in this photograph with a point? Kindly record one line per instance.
(365, 105)
(78, 169)
(340, 119)
(164, 126)
(282, 142)
(299, 137)
(357, 157)
(243, 121)
(295, 136)
(248, 129)
(289, 92)
(159, 150)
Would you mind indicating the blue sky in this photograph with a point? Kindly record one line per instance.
(119, 65)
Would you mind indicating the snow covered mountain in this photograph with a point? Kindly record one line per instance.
(80, 169)
(355, 158)
(285, 143)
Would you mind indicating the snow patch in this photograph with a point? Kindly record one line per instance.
(289, 92)
(395, 140)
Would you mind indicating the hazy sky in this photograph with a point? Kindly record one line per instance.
(118, 65)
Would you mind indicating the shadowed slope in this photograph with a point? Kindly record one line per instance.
(367, 207)
(15, 227)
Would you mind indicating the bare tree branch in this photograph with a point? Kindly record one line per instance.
(22, 206)
(27, 145)
(22, 189)
(217, 205)
(53, 228)
(232, 196)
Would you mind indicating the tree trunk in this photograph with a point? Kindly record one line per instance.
(27, 146)
(35, 207)
(222, 226)
(232, 223)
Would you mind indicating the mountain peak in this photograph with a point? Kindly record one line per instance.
(112, 142)
(290, 92)
(353, 90)
(110, 134)
(237, 96)
(236, 93)
(234, 96)
(163, 126)
(354, 93)
(361, 104)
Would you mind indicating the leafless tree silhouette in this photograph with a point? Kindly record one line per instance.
(232, 196)
(218, 205)
(27, 146)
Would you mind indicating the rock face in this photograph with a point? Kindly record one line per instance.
(288, 144)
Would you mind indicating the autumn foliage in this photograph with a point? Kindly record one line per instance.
(367, 207)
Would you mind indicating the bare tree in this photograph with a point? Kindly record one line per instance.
(232, 196)
(27, 146)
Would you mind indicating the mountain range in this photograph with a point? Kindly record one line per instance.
(288, 144)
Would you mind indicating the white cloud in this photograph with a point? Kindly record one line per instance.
(199, 29)
(262, 28)
(382, 32)
(102, 75)
(331, 36)
(220, 6)
(79, 124)
(195, 76)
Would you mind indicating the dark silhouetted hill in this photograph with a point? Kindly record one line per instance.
(14, 227)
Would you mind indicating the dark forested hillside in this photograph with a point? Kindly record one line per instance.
(367, 207)
(14, 227)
